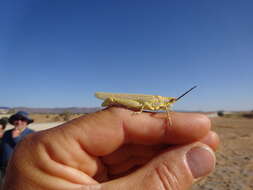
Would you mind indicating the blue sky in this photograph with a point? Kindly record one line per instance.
(57, 53)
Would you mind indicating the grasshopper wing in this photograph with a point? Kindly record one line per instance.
(105, 95)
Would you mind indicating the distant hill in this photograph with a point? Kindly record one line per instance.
(4, 108)
(57, 110)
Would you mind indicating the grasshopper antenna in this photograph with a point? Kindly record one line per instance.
(185, 93)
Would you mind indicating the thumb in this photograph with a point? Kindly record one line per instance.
(175, 169)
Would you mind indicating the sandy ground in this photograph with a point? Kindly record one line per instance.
(40, 126)
(234, 168)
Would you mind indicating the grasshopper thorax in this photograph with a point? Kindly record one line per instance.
(166, 103)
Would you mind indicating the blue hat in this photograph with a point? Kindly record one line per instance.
(21, 115)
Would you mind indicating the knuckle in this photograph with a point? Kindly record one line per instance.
(168, 179)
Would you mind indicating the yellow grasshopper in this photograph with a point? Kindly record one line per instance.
(139, 102)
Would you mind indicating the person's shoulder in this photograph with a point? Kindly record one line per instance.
(28, 130)
(7, 134)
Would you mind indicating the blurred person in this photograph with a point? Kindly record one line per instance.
(116, 150)
(12, 137)
(3, 124)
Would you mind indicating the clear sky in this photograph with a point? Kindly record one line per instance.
(57, 53)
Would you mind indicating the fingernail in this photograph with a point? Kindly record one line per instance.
(200, 161)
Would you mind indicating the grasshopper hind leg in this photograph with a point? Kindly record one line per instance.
(145, 105)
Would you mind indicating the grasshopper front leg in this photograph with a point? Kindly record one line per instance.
(168, 116)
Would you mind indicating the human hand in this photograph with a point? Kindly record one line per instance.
(88, 152)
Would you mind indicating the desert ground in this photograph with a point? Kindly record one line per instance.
(234, 168)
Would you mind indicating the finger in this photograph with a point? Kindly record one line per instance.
(123, 167)
(177, 169)
(129, 155)
(186, 127)
(105, 131)
(212, 140)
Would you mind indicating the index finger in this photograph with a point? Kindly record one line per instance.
(105, 131)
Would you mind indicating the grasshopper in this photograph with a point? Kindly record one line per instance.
(139, 102)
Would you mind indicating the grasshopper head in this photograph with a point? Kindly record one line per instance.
(169, 101)
(166, 103)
